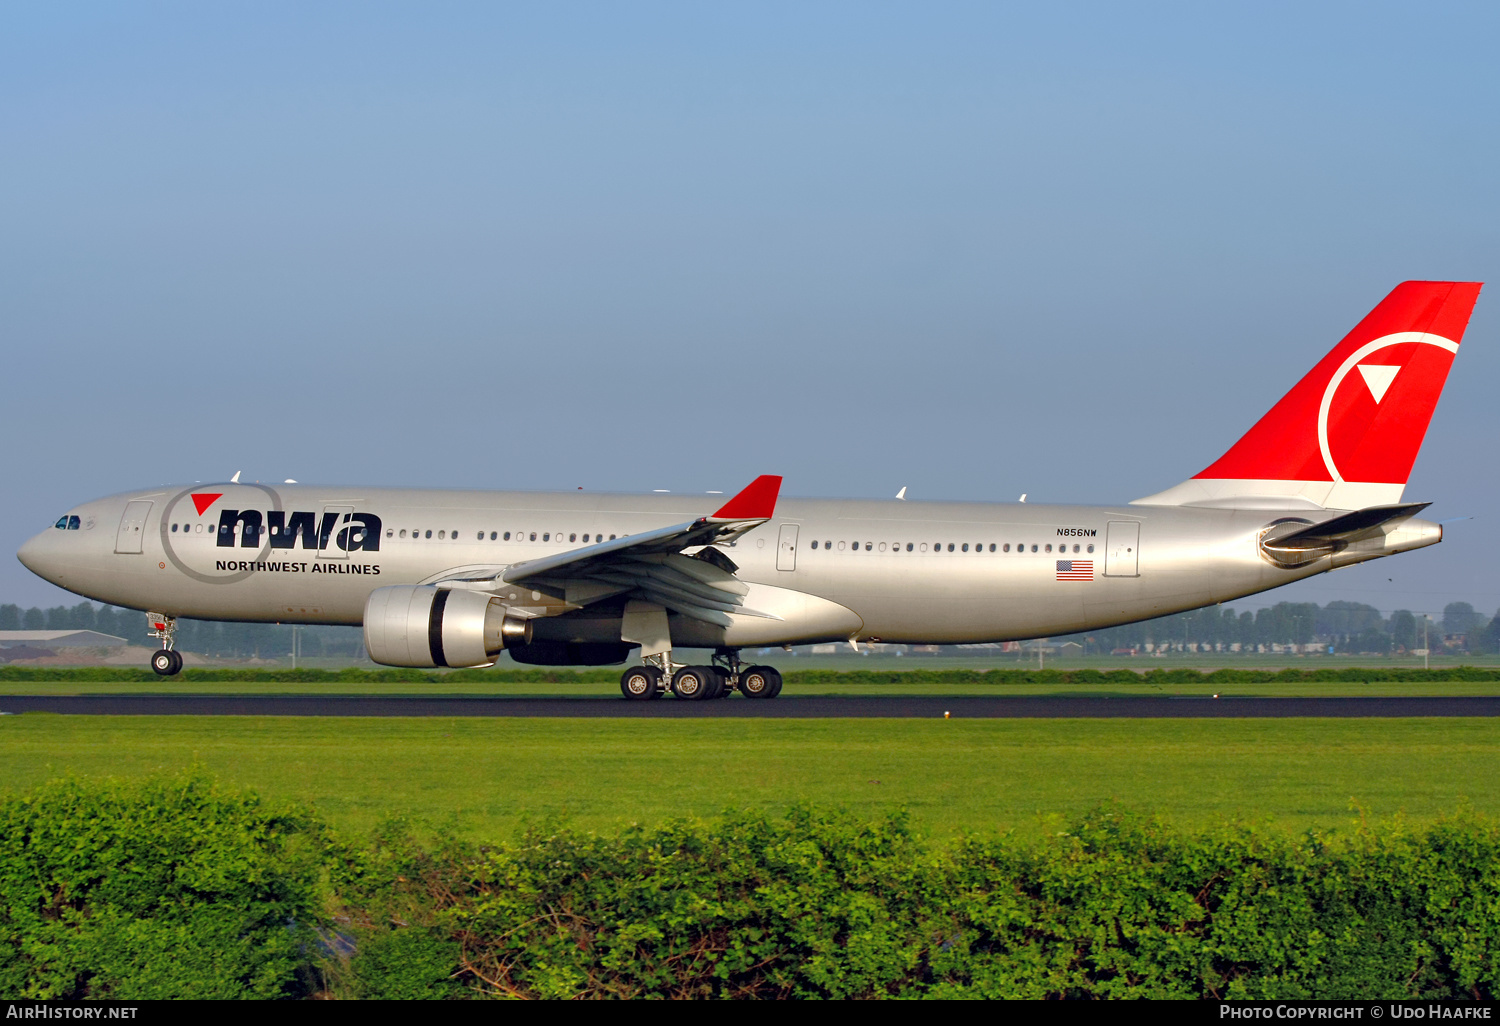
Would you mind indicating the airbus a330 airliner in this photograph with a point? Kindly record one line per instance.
(453, 578)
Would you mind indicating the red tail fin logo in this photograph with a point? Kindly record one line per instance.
(1339, 426)
(1347, 439)
(1356, 441)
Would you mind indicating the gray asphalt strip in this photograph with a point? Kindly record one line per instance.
(831, 707)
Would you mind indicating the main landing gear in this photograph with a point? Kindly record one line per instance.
(167, 662)
(695, 683)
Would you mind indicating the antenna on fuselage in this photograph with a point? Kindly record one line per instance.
(236, 478)
(902, 493)
(1023, 496)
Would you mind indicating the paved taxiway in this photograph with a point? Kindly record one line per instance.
(895, 706)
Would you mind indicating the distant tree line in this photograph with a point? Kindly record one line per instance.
(216, 640)
(1352, 627)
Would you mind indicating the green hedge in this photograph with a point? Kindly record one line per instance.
(181, 888)
(1083, 678)
(160, 889)
(821, 905)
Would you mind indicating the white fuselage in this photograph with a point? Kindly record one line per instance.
(916, 572)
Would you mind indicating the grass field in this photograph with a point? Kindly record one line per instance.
(485, 776)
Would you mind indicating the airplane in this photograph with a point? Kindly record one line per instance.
(455, 578)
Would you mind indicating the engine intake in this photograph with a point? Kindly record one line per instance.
(420, 625)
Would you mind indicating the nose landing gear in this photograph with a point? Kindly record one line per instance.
(167, 662)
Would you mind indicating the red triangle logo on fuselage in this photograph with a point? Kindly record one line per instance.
(206, 499)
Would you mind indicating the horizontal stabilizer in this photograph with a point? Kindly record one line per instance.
(1351, 525)
(1300, 543)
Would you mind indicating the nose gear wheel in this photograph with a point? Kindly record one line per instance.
(167, 663)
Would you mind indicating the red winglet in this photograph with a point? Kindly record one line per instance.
(756, 502)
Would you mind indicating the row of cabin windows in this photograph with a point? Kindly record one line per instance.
(545, 536)
(71, 523)
(952, 547)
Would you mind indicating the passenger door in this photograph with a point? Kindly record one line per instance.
(132, 530)
(786, 548)
(1122, 545)
(335, 518)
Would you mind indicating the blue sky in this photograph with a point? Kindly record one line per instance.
(977, 250)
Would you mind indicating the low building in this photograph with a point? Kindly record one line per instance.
(59, 639)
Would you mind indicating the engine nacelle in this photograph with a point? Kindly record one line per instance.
(419, 625)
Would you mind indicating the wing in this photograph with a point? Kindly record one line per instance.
(651, 565)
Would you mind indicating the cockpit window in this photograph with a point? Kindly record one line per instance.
(68, 523)
(62, 524)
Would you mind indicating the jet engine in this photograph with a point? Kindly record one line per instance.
(419, 625)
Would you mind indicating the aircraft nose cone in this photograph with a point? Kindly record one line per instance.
(35, 556)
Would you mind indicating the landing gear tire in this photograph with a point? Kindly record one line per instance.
(718, 682)
(166, 663)
(760, 682)
(641, 683)
(693, 682)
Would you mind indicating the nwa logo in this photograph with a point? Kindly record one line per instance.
(347, 530)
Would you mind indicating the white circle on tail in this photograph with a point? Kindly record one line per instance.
(1384, 342)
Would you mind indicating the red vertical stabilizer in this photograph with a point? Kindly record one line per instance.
(1347, 435)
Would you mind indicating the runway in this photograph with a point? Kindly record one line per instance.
(785, 707)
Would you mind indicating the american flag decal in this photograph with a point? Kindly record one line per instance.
(1075, 569)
